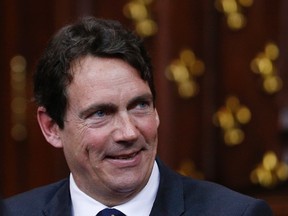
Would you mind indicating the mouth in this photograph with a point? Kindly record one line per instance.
(124, 156)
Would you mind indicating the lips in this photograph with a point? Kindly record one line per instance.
(123, 156)
(125, 160)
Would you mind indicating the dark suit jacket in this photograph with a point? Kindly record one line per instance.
(177, 195)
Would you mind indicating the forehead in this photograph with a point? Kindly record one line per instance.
(89, 67)
(95, 77)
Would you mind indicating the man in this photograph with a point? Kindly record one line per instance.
(96, 97)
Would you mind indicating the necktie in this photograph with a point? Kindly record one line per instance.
(110, 212)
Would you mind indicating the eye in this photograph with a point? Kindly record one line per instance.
(143, 104)
(98, 118)
(142, 107)
(100, 113)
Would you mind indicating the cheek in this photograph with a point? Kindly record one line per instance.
(84, 149)
(95, 141)
(149, 128)
(75, 141)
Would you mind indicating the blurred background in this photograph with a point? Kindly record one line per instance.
(221, 76)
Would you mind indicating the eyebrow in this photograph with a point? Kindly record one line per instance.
(94, 107)
(110, 106)
(146, 96)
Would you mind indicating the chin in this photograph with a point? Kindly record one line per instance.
(129, 184)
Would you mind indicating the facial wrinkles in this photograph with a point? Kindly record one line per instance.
(74, 123)
(83, 127)
(123, 88)
(86, 131)
(108, 82)
(74, 118)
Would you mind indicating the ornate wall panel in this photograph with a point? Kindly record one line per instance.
(190, 142)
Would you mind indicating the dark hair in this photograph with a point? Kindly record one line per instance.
(89, 36)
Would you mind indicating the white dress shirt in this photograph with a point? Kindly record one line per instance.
(140, 205)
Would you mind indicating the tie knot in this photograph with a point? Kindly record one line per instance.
(110, 212)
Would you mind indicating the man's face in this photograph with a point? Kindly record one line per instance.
(110, 130)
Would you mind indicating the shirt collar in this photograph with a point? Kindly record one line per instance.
(84, 205)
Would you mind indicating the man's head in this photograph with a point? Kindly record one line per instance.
(96, 101)
(90, 36)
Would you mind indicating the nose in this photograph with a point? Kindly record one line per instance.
(125, 129)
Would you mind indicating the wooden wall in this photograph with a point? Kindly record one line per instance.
(187, 132)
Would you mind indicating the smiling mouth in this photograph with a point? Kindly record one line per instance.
(123, 157)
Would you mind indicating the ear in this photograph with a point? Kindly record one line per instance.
(49, 128)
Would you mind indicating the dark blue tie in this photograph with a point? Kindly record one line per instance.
(110, 212)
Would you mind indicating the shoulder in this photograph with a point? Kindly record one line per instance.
(214, 197)
(208, 198)
(212, 192)
(39, 194)
(35, 200)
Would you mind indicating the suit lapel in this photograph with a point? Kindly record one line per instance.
(169, 199)
(60, 204)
